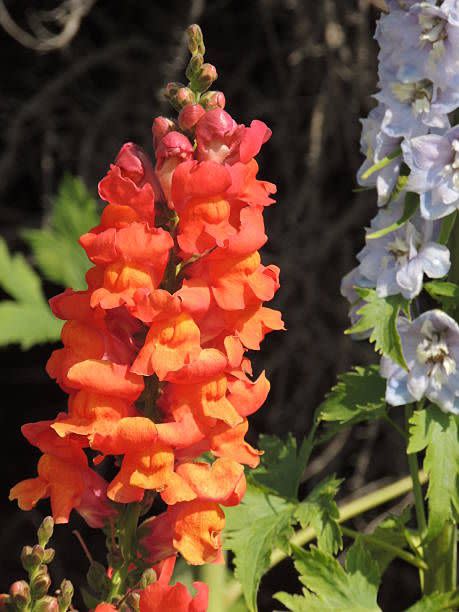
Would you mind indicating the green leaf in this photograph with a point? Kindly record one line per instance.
(57, 252)
(259, 524)
(446, 293)
(392, 531)
(447, 227)
(410, 207)
(436, 602)
(319, 511)
(437, 432)
(332, 587)
(27, 324)
(380, 315)
(358, 396)
(27, 320)
(18, 278)
(282, 465)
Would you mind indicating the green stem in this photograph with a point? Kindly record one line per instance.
(382, 164)
(398, 552)
(441, 556)
(214, 575)
(417, 489)
(128, 523)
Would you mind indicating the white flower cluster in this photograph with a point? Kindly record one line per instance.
(411, 145)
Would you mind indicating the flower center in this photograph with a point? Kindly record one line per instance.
(433, 351)
(433, 29)
(418, 94)
(401, 246)
(453, 167)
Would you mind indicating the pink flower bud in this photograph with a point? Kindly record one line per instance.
(190, 115)
(46, 604)
(213, 99)
(207, 76)
(171, 151)
(184, 96)
(161, 126)
(20, 593)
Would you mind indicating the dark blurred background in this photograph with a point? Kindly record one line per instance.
(305, 67)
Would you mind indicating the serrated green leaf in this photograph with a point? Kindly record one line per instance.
(380, 315)
(436, 602)
(56, 250)
(319, 511)
(410, 207)
(437, 432)
(259, 524)
(332, 587)
(282, 464)
(18, 278)
(27, 324)
(358, 396)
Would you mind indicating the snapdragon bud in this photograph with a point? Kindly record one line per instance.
(184, 96)
(194, 66)
(46, 604)
(28, 560)
(148, 577)
(49, 555)
(97, 577)
(66, 595)
(195, 39)
(132, 602)
(45, 531)
(5, 601)
(40, 584)
(207, 75)
(161, 126)
(190, 115)
(213, 99)
(20, 594)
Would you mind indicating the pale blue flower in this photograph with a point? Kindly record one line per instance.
(397, 262)
(376, 145)
(434, 163)
(431, 350)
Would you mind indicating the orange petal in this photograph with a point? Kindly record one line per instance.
(29, 492)
(197, 531)
(107, 378)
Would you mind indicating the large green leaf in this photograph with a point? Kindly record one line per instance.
(319, 511)
(282, 464)
(437, 433)
(56, 250)
(259, 524)
(380, 315)
(329, 586)
(358, 396)
(26, 320)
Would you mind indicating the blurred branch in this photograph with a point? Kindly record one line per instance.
(67, 17)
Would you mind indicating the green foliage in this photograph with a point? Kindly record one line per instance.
(282, 465)
(56, 250)
(391, 531)
(329, 586)
(446, 293)
(259, 524)
(436, 432)
(380, 315)
(319, 511)
(358, 396)
(26, 319)
(436, 602)
(410, 207)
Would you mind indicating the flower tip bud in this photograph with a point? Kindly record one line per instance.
(184, 97)
(20, 594)
(213, 99)
(49, 555)
(190, 115)
(45, 531)
(195, 39)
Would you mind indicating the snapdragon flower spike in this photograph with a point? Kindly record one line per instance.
(155, 349)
